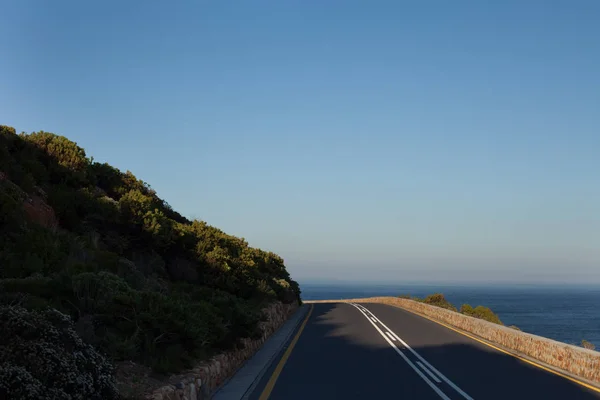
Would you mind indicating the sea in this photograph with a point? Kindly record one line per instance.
(564, 313)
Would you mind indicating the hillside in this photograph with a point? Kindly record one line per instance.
(140, 282)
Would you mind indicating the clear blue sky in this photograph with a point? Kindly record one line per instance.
(369, 141)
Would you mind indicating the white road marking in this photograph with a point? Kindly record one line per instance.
(435, 378)
(374, 320)
(410, 363)
(391, 336)
(431, 367)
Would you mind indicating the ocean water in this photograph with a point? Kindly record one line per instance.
(567, 314)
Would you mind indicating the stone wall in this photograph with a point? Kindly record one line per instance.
(201, 381)
(576, 360)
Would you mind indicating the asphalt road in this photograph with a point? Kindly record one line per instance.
(375, 351)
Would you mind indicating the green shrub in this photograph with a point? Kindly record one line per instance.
(587, 345)
(36, 291)
(159, 227)
(43, 358)
(64, 151)
(149, 263)
(70, 205)
(481, 312)
(240, 316)
(96, 292)
(129, 272)
(108, 179)
(170, 334)
(135, 204)
(466, 309)
(32, 249)
(439, 300)
(486, 314)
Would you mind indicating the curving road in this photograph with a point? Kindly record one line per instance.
(376, 351)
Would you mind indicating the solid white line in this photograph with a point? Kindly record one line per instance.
(448, 381)
(391, 336)
(435, 378)
(410, 363)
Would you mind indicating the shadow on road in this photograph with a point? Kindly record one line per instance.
(341, 355)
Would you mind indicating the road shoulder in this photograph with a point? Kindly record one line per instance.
(252, 373)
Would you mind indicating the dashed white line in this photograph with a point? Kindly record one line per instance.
(410, 363)
(374, 320)
(435, 378)
(431, 367)
(391, 336)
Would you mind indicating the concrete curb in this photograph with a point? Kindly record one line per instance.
(246, 379)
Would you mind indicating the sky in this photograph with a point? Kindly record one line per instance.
(381, 141)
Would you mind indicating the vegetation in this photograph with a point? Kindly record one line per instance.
(43, 357)
(587, 345)
(436, 299)
(138, 280)
(516, 328)
(439, 300)
(481, 312)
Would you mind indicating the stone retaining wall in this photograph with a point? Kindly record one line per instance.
(576, 360)
(201, 382)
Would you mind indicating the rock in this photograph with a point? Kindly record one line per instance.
(191, 392)
(39, 212)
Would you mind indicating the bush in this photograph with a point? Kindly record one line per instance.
(466, 309)
(439, 300)
(43, 358)
(96, 292)
(516, 328)
(171, 334)
(587, 345)
(34, 292)
(481, 312)
(64, 151)
(239, 315)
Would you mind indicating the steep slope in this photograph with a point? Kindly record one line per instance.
(139, 281)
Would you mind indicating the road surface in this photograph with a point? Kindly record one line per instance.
(376, 351)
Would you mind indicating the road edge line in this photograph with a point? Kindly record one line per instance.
(273, 379)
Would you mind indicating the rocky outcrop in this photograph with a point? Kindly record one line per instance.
(575, 360)
(202, 381)
(39, 212)
(35, 206)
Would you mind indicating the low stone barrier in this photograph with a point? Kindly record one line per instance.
(203, 380)
(575, 360)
